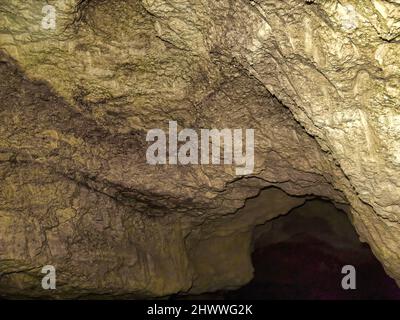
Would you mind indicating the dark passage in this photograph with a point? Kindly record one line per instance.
(301, 255)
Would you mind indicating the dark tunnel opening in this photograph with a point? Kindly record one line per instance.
(301, 256)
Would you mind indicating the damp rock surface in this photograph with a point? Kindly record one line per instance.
(318, 81)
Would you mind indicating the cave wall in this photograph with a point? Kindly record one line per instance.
(317, 80)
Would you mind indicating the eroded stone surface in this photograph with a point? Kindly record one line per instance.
(73, 146)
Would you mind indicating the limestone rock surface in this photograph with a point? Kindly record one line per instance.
(318, 81)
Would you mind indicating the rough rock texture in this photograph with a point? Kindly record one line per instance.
(317, 80)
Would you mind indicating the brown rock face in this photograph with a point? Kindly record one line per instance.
(316, 80)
